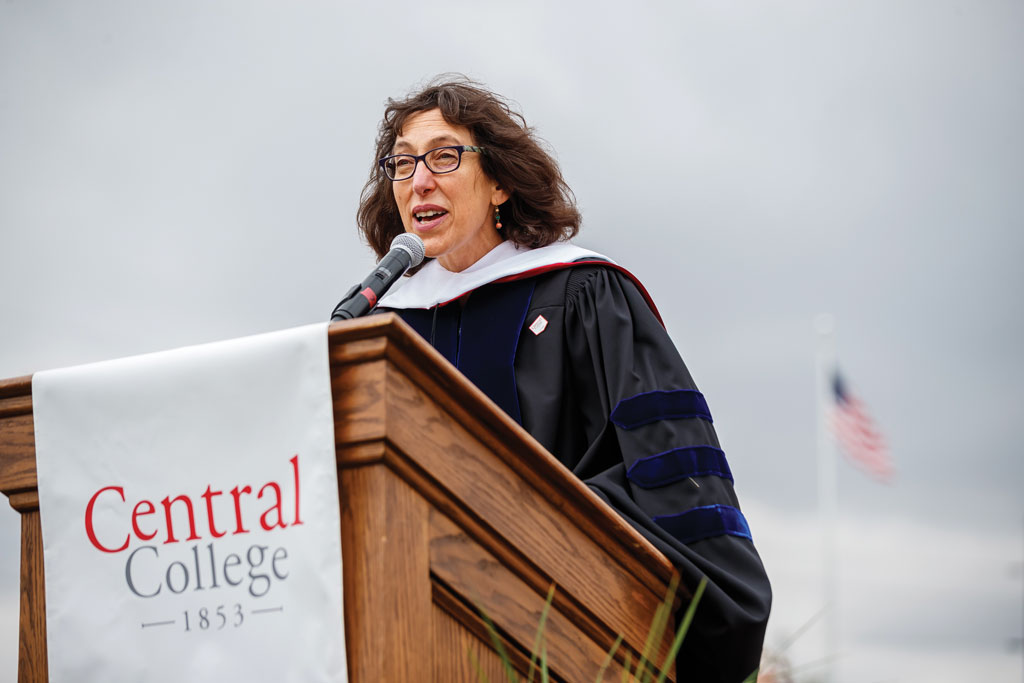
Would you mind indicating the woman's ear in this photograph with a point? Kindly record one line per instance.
(499, 196)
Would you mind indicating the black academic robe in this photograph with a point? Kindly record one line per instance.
(599, 383)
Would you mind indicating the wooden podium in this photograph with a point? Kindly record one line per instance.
(446, 504)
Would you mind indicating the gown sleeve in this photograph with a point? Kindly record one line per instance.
(648, 447)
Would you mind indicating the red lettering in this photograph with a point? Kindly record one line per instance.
(272, 517)
(135, 519)
(236, 493)
(294, 460)
(166, 502)
(91, 532)
(275, 507)
(209, 511)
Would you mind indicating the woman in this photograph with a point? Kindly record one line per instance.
(566, 342)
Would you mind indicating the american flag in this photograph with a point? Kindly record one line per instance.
(856, 433)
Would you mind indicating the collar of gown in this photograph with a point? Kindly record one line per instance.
(434, 285)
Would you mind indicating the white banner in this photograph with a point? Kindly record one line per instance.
(189, 508)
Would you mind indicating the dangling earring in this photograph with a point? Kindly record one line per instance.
(497, 219)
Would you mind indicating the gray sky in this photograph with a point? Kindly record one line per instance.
(184, 172)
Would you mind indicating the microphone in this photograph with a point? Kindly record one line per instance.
(406, 251)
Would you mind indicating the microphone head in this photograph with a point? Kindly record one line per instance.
(413, 245)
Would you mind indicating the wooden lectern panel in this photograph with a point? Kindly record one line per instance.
(447, 507)
(505, 519)
(18, 482)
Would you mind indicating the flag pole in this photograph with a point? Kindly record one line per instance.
(828, 488)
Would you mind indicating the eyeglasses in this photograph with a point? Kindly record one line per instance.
(437, 160)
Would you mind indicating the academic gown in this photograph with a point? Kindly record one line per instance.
(577, 354)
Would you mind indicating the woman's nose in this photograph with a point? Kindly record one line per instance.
(422, 179)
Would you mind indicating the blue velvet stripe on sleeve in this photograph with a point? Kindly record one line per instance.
(705, 522)
(652, 406)
(679, 463)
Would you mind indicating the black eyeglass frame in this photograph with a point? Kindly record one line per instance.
(417, 158)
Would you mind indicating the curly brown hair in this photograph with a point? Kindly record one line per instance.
(541, 208)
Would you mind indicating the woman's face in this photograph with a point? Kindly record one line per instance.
(460, 227)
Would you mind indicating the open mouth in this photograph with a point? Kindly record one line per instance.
(429, 216)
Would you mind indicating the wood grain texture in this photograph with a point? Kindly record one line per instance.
(32, 629)
(25, 501)
(359, 402)
(360, 453)
(520, 518)
(16, 386)
(470, 461)
(15, 405)
(576, 642)
(457, 646)
(386, 576)
(408, 354)
(17, 448)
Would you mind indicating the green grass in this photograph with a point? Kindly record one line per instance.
(644, 671)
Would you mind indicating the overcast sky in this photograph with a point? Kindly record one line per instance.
(181, 172)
